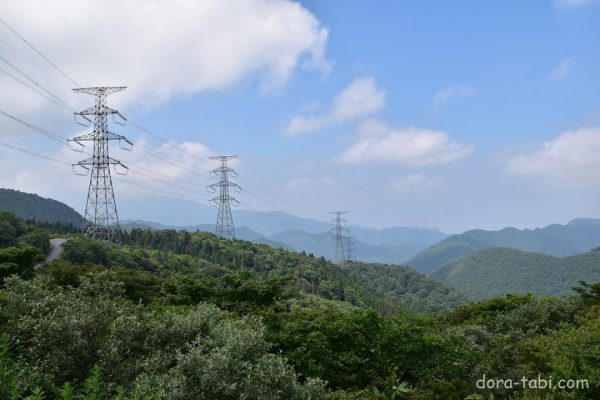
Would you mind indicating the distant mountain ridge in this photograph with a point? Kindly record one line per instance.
(578, 236)
(498, 271)
(390, 245)
(30, 206)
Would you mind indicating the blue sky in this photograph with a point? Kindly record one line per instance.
(449, 114)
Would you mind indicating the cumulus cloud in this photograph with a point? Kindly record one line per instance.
(573, 158)
(160, 49)
(56, 180)
(415, 182)
(378, 142)
(359, 99)
(561, 72)
(442, 96)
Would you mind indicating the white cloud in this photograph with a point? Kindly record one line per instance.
(359, 99)
(442, 96)
(378, 142)
(415, 182)
(562, 71)
(572, 158)
(50, 179)
(160, 49)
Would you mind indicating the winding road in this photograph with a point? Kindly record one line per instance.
(56, 249)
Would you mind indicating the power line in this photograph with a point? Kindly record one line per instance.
(163, 175)
(42, 131)
(34, 89)
(169, 160)
(176, 163)
(37, 66)
(33, 153)
(163, 192)
(39, 53)
(30, 79)
(169, 183)
(90, 51)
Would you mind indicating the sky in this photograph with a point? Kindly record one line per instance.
(454, 115)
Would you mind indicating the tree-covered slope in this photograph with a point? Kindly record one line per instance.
(414, 290)
(31, 206)
(578, 236)
(352, 283)
(499, 271)
(175, 315)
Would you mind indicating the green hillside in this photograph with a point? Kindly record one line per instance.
(413, 290)
(499, 271)
(578, 236)
(33, 207)
(177, 315)
(352, 283)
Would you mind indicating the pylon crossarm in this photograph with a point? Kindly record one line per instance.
(104, 90)
(119, 119)
(79, 119)
(120, 168)
(74, 145)
(95, 110)
(80, 170)
(88, 137)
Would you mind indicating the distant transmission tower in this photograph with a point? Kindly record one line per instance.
(102, 221)
(344, 245)
(224, 226)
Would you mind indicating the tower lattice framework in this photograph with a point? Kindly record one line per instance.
(224, 226)
(344, 244)
(101, 217)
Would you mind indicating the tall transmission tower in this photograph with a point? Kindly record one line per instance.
(224, 226)
(101, 218)
(344, 245)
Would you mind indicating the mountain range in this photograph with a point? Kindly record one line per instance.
(578, 236)
(391, 245)
(476, 263)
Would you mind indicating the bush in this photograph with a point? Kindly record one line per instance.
(92, 333)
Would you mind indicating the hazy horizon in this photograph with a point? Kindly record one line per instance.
(402, 113)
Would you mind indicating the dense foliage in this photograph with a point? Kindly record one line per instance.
(191, 316)
(500, 271)
(413, 290)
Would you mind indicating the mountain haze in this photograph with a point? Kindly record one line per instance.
(578, 236)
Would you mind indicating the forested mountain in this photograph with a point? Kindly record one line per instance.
(348, 283)
(180, 315)
(32, 206)
(499, 271)
(241, 232)
(275, 228)
(412, 289)
(578, 236)
(391, 245)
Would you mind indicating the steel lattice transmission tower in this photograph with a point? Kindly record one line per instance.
(102, 220)
(223, 201)
(344, 245)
